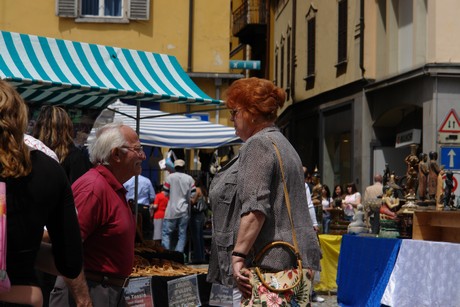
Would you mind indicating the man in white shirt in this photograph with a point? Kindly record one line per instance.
(180, 188)
(145, 197)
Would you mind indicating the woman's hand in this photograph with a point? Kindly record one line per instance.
(241, 275)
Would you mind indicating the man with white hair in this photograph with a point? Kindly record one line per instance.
(107, 225)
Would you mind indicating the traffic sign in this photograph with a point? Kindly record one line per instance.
(451, 123)
(449, 132)
(236, 64)
(450, 157)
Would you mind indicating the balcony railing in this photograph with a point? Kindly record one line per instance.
(251, 12)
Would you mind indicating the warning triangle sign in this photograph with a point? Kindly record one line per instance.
(451, 124)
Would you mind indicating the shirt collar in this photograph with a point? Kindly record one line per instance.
(111, 180)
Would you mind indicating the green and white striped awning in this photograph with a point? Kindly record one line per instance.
(56, 71)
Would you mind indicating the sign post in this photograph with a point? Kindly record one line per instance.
(450, 157)
(449, 133)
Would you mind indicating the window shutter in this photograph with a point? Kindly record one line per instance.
(311, 46)
(66, 8)
(139, 9)
(342, 31)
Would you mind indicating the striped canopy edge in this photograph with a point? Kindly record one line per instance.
(54, 71)
(161, 129)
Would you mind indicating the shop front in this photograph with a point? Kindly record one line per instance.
(351, 133)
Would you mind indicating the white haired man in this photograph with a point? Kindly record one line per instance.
(106, 221)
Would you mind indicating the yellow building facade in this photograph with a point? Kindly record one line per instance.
(196, 32)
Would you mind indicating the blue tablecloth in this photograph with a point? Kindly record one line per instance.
(365, 265)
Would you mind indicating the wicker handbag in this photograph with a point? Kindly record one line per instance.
(289, 287)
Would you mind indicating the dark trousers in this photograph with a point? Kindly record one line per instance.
(196, 227)
(375, 221)
(101, 295)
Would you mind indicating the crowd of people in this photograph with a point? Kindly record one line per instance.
(82, 203)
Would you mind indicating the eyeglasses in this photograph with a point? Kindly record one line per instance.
(137, 149)
(233, 112)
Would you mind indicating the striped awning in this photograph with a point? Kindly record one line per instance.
(56, 71)
(157, 128)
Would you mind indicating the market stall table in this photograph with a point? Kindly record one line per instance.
(425, 274)
(365, 265)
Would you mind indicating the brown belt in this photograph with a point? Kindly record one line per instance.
(106, 280)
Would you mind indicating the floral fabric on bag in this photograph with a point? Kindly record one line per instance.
(297, 296)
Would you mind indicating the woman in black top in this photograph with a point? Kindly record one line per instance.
(38, 194)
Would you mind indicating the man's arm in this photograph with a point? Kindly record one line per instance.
(311, 208)
(79, 289)
(151, 192)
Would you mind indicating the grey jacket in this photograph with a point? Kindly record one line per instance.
(252, 182)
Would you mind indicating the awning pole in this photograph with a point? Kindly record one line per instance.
(136, 179)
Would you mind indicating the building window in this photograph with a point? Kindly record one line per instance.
(311, 46)
(102, 8)
(276, 65)
(342, 32)
(282, 64)
(288, 63)
(114, 11)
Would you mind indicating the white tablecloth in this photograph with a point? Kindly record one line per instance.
(426, 273)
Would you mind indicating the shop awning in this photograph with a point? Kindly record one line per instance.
(157, 128)
(56, 71)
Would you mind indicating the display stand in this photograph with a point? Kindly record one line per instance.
(432, 225)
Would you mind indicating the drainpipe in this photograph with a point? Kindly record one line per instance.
(361, 39)
(191, 7)
(293, 46)
(190, 35)
(190, 41)
(218, 84)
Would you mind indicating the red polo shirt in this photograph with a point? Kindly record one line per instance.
(107, 225)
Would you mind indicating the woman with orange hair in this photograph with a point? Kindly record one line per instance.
(247, 194)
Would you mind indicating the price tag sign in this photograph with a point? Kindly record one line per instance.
(139, 292)
(183, 292)
(221, 296)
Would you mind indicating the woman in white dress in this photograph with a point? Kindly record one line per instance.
(351, 201)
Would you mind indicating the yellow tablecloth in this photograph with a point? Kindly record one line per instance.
(330, 246)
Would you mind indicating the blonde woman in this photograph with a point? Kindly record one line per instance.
(55, 129)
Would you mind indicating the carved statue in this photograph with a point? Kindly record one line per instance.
(433, 173)
(358, 225)
(422, 176)
(386, 174)
(448, 196)
(440, 190)
(412, 169)
(389, 202)
(358, 218)
(317, 189)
